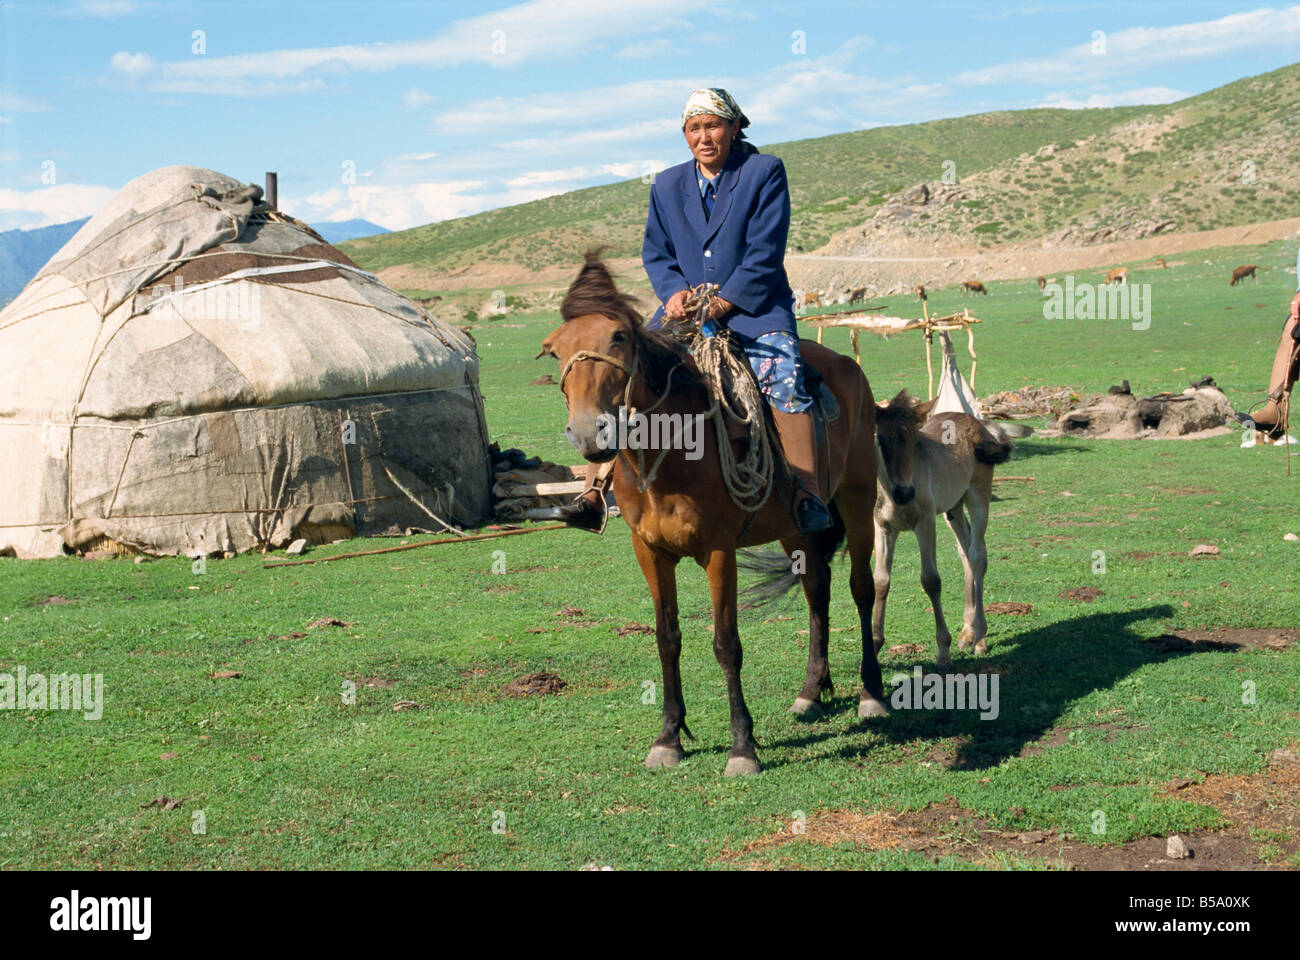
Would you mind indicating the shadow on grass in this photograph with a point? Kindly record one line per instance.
(1024, 449)
(1041, 672)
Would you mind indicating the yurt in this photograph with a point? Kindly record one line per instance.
(197, 374)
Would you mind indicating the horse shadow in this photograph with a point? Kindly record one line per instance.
(1040, 672)
(1030, 447)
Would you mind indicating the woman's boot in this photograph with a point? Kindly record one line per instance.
(798, 440)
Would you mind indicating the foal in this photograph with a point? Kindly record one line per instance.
(930, 464)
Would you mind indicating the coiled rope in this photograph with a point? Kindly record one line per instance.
(736, 395)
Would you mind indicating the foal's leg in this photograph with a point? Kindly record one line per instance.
(932, 584)
(856, 505)
(721, 568)
(977, 504)
(886, 538)
(661, 576)
(817, 591)
(961, 530)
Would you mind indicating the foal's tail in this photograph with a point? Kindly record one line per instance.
(776, 571)
(994, 447)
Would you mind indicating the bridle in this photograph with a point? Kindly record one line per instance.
(643, 479)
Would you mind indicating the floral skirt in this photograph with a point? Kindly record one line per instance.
(778, 366)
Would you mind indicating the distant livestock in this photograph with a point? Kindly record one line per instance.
(973, 286)
(1042, 282)
(1241, 273)
(857, 295)
(919, 290)
(1160, 262)
(1118, 275)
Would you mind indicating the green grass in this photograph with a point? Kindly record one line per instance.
(288, 775)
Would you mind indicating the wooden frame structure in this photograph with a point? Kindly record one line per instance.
(867, 319)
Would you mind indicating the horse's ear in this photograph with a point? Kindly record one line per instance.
(548, 350)
(922, 410)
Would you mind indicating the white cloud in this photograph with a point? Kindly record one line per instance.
(417, 157)
(1139, 49)
(49, 205)
(644, 49)
(401, 206)
(538, 29)
(106, 9)
(133, 64)
(16, 102)
(1123, 98)
(416, 98)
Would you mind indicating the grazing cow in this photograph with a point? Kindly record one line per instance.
(857, 295)
(919, 290)
(811, 299)
(1118, 275)
(1160, 262)
(972, 286)
(932, 463)
(1241, 273)
(1042, 282)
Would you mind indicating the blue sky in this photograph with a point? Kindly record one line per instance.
(405, 112)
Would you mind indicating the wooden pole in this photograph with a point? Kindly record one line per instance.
(412, 546)
(272, 189)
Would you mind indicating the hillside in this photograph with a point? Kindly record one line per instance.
(1065, 177)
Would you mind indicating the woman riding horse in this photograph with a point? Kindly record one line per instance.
(722, 218)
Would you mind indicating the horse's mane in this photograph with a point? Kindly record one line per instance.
(594, 291)
(896, 420)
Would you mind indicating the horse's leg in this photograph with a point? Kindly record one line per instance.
(977, 504)
(721, 568)
(961, 530)
(661, 576)
(932, 584)
(886, 538)
(817, 591)
(857, 505)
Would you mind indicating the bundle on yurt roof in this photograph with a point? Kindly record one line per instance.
(196, 373)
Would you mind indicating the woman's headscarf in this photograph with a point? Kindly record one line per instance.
(719, 103)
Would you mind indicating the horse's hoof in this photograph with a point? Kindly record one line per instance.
(662, 756)
(963, 644)
(805, 708)
(944, 666)
(742, 767)
(981, 648)
(871, 708)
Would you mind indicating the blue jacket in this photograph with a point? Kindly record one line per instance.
(741, 246)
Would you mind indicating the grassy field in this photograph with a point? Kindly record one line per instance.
(1096, 714)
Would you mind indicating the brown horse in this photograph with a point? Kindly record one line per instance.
(1118, 275)
(1160, 262)
(1241, 273)
(919, 290)
(1042, 282)
(972, 286)
(678, 507)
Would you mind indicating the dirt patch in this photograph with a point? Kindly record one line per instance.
(1137, 555)
(1263, 830)
(1081, 594)
(545, 380)
(375, 683)
(1013, 608)
(54, 601)
(328, 622)
(539, 684)
(631, 628)
(1225, 639)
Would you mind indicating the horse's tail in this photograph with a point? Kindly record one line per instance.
(994, 447)
(777, 572)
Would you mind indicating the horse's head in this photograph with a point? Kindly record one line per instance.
(598, 346)
(898, 429)
(597, 355)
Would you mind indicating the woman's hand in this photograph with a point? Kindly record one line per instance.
(675, 308)
(719, 307)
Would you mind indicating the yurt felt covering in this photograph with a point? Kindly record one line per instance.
(194, 373)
